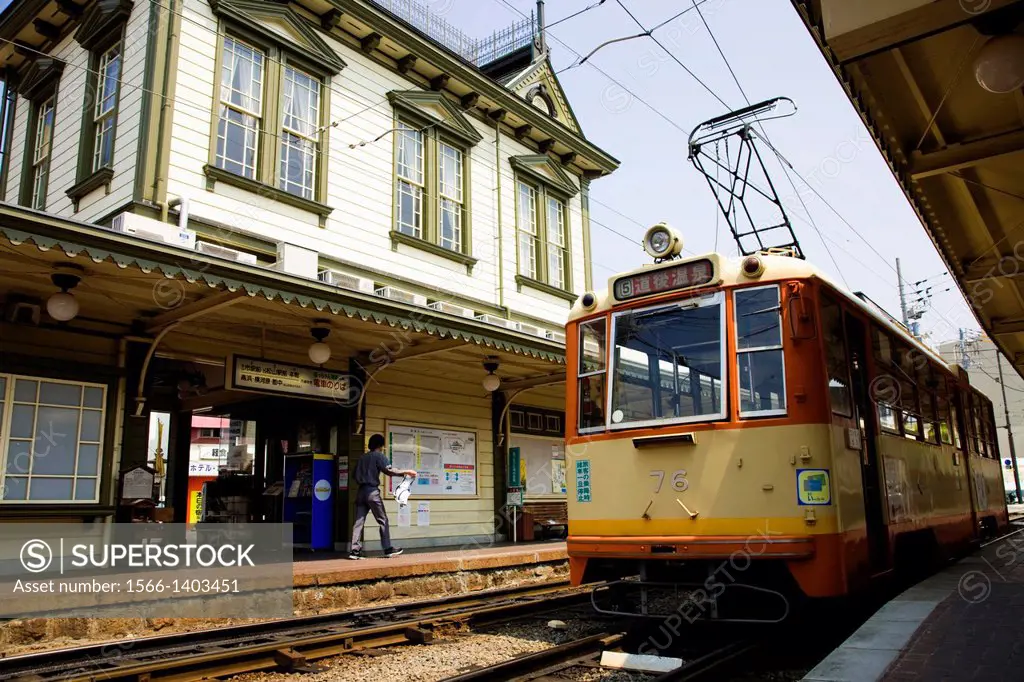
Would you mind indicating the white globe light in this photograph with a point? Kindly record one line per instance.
(492, 382)
(319, 353)
(999, 67)
(62, 306)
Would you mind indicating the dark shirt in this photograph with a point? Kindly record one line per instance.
(369, 468)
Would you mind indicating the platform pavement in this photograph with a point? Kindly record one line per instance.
(961, 624)
(339, 570)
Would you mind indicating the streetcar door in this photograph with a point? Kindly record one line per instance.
(874, 497)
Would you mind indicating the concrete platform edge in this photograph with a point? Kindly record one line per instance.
(383, 569)
(868, 653)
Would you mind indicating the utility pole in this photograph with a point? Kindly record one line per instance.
(903, 297)
(1009, 429)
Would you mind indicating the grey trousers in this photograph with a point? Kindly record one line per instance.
(368, 500)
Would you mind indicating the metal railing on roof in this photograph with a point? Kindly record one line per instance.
(477, 51)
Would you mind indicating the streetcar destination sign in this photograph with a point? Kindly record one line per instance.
(683, 276)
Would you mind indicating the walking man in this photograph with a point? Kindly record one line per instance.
(367, 476)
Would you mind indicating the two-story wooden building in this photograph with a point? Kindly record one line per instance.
(328, 218)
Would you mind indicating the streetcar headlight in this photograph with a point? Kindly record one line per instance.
(661, 241)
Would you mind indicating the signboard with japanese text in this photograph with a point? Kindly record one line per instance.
(444, 459)
(265, 376)
(682, 276)
(208, 469)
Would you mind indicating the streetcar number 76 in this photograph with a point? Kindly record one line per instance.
(679, 482)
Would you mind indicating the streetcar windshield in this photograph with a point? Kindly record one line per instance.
(668, 364)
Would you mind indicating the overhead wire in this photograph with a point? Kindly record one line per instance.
(743, 92)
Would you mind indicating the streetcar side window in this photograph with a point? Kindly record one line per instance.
(942, 410)
(908, 394)
(836, 358)
(993, 439)
(926, 383)
(591, 373)
(955, 421)
(759, 356)
(885, 388)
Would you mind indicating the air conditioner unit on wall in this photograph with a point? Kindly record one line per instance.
(451, 309)
(558, 337)
(530, 329)
(224, 252)
(153, 230)
(401, 295)
(499, 322)
(344, 280)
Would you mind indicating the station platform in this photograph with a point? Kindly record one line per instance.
(338, 569)
(961, 624)
(325, 582)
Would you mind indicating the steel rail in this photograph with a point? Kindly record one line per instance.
(709, 663)
(530, 666)
(285, 644)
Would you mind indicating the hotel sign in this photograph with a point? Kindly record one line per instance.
(264, 376)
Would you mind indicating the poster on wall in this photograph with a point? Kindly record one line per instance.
(445, 459)
(558, 476)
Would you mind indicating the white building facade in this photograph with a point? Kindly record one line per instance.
(400, 185)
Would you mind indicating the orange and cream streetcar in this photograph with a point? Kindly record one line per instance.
(748, 423)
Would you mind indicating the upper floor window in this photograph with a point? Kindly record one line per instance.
(273, 105)
(41, 152)
(409, 180)
(430, 186)
(108, 79)
(450, 195)
(543, 248)
(39, 86)
(102, 33)
(542, 235)
(433, 142)
(241, 108)
(300, 145)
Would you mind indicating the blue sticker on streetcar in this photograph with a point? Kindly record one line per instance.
(812, 487)
(583, 480)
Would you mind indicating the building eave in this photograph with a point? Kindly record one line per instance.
(21, 225)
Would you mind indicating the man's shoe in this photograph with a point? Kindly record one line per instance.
(394, 551)
(356, 554)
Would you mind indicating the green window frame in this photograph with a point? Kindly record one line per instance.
(42, 147)
(102, 34)
(543, 255)
(269, 134)
(431, 186)
(432, 149)
(543, 246)
(40, 89)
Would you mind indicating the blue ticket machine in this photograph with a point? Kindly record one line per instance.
(309, 490)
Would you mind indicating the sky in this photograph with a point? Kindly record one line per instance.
(773, 55)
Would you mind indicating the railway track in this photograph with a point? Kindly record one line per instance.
(291, 644)
(553, 663)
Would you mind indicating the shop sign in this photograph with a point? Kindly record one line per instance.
(264, 376)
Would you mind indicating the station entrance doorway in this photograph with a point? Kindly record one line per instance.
(262, 460)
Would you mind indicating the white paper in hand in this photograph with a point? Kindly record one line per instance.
(403, 490)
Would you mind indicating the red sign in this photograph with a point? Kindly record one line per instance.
(682, 276)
